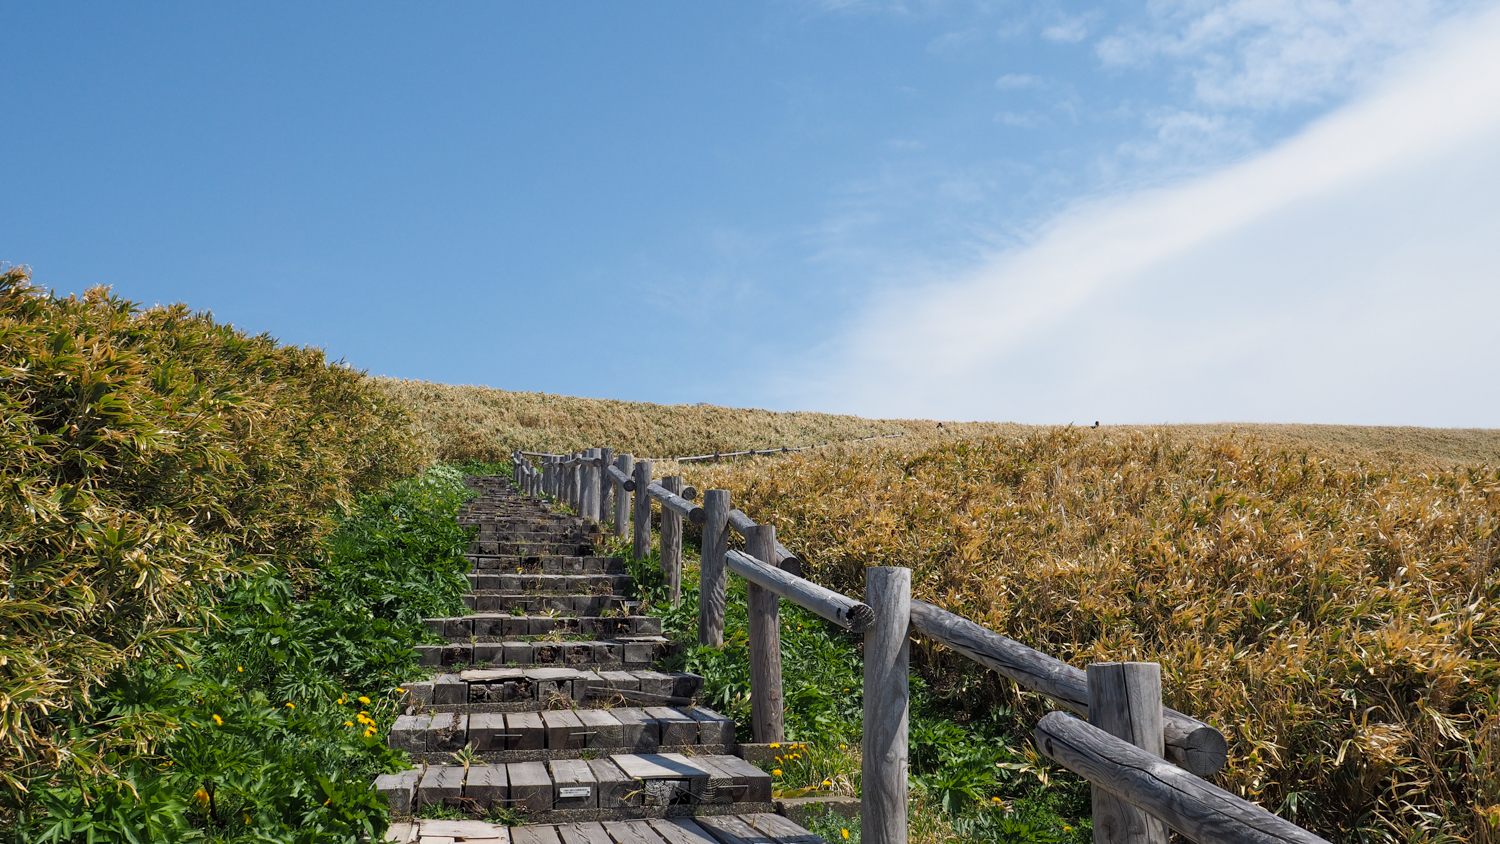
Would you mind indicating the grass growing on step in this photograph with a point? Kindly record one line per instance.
(975, 776)
(270, 725)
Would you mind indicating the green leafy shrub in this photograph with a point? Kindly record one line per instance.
(270, 726)
(148, 459)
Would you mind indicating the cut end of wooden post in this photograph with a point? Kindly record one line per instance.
(861, 616)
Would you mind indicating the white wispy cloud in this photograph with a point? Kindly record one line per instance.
(1274, 53)
(1018, 81)
(1069, 29)
(1347, 274)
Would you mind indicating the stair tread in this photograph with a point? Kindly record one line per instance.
(767, 828)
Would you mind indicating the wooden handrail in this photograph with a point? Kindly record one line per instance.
(821, 601)
(1191, 744)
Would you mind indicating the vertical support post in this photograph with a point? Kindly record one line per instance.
(711, 567)
(606, 484)
(883, 766)
(575, 483)
(590, 492)
(766, 694)
(641, 546)
(547, 476)
(1125, 701)
(625, 463)
(671, 541)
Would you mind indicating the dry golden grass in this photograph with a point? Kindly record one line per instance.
(485, 423)
(1333, 617)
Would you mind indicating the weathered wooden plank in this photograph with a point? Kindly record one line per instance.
(583, 833)
(625, 464)
(564, 730)
(729, 829)
(621, 475)
(1190, 743)
(487, 785)
(1125, 701)
(783, 830)
(530, 786)
(766, 715)
(676, 728)
(534, 835)
(711, 572)
(1188, 804)
(616, 790)
(574, 783)
(887, 659)
(631, 832)
(839, 609)
(681, 831)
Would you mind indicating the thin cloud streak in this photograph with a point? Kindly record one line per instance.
(974, 346)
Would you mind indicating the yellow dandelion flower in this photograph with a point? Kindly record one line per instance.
(348, 723)
(776, 772)
(240, 668)
(290, 705)
(363, 699)
(217, 720)
(828, 783)
(342, 700)
(775, 744)
(400, 691)
(201, 795)
(369, 732)
(180, 665)
(844, 833)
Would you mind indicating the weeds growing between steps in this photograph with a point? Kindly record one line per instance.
(270, 726)
(974, 775)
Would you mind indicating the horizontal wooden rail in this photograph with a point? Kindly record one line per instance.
(676, 503)
(1195, 808)
(742, 525)
(839, 609)
(621, 478)
(1190, 743)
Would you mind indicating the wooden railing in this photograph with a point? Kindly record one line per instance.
(1144, 761)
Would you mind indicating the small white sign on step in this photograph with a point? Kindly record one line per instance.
(566, 791)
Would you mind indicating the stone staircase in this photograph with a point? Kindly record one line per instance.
(546, 708)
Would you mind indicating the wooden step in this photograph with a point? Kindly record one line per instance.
(486, 626)
(619, 785)
(559, 732)
(619, 652)
(524, 603)
(552, 564)
(747, 828)
(533, 688)
(551, 584)
(506, 548)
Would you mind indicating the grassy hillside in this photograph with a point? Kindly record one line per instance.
(483, 423)
(1322, 593)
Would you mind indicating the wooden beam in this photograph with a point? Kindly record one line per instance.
(784, 558)
(1190, 743)
(676, 503)
(826, 603)
(1190, 805)
(1125, 701)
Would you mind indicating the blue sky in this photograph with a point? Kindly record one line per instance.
(1257, 210)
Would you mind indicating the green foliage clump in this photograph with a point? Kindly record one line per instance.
(270, 726)
(148, 459)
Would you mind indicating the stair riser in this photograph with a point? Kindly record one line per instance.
(552, 584)
(582, 605)
(603, 654)
(465, 628)
(551, 686)
(536, 564)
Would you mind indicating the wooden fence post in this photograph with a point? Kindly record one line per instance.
(625, 463)
(641, 546)
(1125, 701)
(766, 694)
(883, 766)
(711, 577)
(547, 476)
(606, 484)
(575, 484)
(591, 486)
(671, 541)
